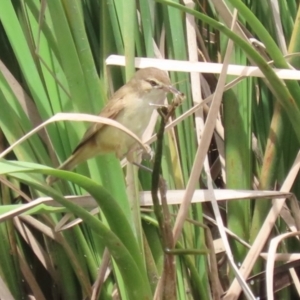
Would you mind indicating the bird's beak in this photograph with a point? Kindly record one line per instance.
(171, 89)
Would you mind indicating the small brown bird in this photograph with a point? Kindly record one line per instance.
(132, 106)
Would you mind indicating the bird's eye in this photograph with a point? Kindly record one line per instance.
(153, 83)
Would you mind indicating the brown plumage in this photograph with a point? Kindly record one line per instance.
(130, 106)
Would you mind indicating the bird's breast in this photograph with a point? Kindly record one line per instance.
(135, 116)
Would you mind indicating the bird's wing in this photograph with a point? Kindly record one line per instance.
(111, 110)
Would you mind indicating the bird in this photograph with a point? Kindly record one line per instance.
(132, 106)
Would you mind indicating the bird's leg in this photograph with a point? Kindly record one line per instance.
(149, 153)
(142, 167)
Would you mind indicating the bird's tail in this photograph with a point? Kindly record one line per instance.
(80, 155)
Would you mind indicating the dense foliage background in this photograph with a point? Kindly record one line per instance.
(55, 56)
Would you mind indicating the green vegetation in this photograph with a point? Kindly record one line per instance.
(55, 57)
